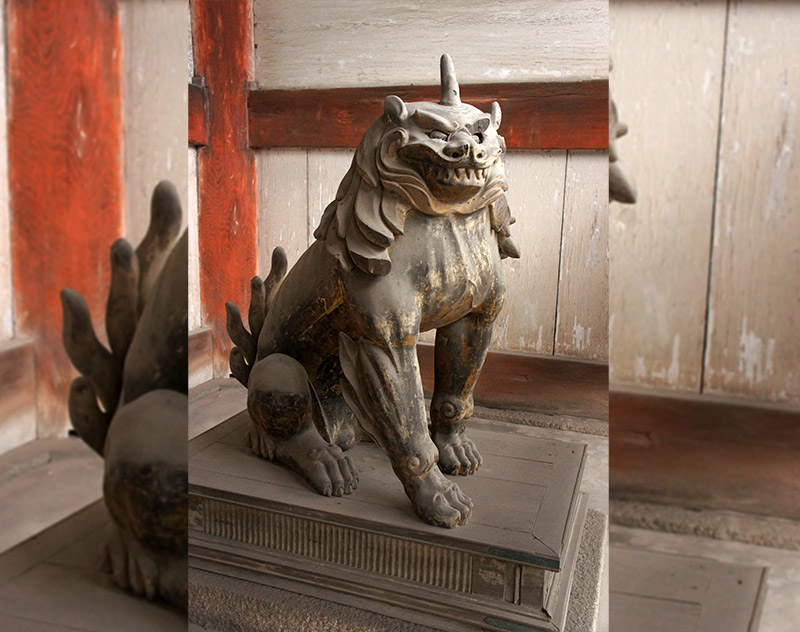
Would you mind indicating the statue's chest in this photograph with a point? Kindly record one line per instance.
(452, 262)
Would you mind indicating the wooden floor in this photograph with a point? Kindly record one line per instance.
(664, 592)
(51, 583)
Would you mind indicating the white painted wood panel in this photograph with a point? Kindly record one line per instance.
(155, 105)
(326, 168)
(6, 288)
(282, 204)
(536, 197)
(195, 306)
(582, 320)
(324, 44)
(666, 82)
(753, 343)
(295, 186)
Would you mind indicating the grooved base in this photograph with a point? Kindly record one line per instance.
(510, 568)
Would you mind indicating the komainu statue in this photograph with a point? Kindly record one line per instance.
(412, 242)
(140, 426)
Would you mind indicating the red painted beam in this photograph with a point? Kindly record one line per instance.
(227, 216)
(535, 115)
(65, 173)
(198, 115)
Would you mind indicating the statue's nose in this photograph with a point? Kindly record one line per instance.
(462, 145)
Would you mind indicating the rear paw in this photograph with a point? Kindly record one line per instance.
(131, 566)
(260, 443)
(440, 502)
(325, 466)
(457, 453)
(332, 472)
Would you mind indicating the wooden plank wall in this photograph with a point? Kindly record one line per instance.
(705, 294)
(559, 299)
(378, 43)
(155, 105)
(295, 185)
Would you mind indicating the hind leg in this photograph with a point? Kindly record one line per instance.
(280, 403)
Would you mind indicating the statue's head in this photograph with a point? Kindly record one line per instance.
(440, 158)
(434, 158)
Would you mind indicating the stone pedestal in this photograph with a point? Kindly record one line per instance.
(509, 569)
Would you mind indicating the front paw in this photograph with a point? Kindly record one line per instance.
(439, 501)
(457, 453)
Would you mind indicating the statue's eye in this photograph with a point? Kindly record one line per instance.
(478, 137)
(436, 134)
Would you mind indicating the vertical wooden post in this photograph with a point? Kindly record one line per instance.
(65, 173)
(227, 222)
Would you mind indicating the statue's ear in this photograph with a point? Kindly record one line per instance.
(395, 109)
(496, 114)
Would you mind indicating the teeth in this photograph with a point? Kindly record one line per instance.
(460, 174)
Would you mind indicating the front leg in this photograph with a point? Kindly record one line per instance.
(382, 387)
(460, 351)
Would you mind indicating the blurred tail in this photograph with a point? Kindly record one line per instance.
(244, 353)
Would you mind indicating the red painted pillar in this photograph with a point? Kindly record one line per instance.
(65, 173)
(227, 214)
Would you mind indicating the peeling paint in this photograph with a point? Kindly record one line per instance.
(675, 365)
(639, 369)
(594, 236)
(581, 336)
(778, 199)
(756, 360)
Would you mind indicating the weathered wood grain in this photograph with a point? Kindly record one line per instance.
(65, 173)
(227, 219)
(195, 307)
(199, 356)
(536, 197)
(754, 315)
(582, 320)
(198, 115)
(155, 115)
(330, 44)
(282, 205)
(522, 381)
(17, 393)
(6, 290)
(535, 116)
(704, 451)
(326, 168)
(666, 82)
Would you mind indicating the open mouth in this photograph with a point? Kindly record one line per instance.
(458, 176)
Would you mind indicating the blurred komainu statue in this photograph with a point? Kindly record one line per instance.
(130, 404)
(412, 242)
(620, 186)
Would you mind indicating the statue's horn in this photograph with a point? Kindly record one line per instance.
(450, 91)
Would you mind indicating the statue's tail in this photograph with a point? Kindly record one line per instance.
(244, 354)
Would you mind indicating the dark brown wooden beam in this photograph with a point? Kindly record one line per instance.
(551, 385)
(705, 452)
(198, 115)
(535, 115)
